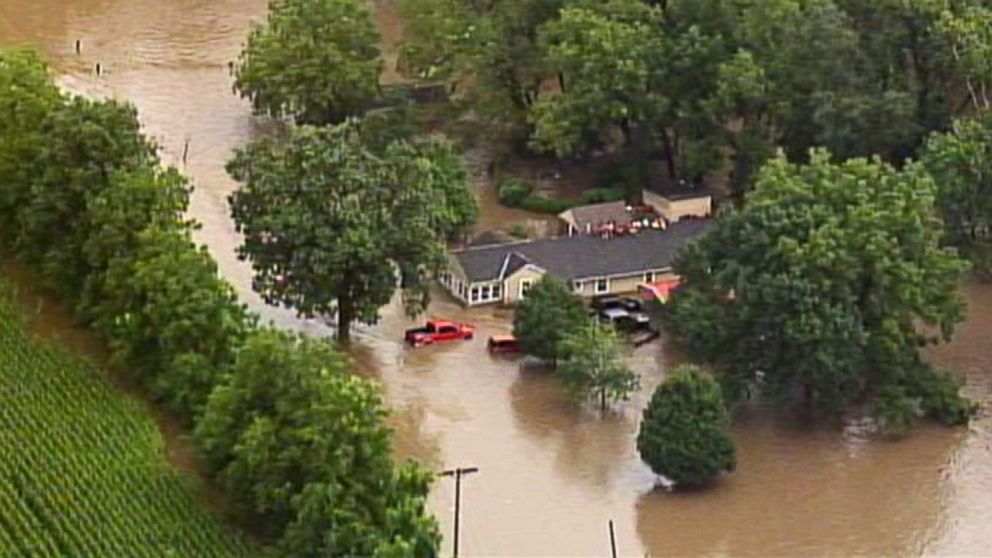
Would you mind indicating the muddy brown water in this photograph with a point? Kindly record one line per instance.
(551, 474)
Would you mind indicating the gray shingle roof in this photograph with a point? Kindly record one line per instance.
(583, 256)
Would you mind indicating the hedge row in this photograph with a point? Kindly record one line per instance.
(514, 192)
(85, 201)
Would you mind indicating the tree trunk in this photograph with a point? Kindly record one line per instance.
(346, 315)
(669, 156)
(561, 81)
(602, 400)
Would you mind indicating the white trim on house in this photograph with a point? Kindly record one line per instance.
(601, 285)
(525, 286)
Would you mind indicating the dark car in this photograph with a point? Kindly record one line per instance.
(608, 302)
(625, 320)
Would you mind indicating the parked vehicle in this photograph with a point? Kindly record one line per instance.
(625, 320)
(608, 302)
(437, 331)
(503, 344)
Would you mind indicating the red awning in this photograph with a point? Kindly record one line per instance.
(659, 290)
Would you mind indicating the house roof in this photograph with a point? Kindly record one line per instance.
(582, 256)
(679, 191)
(599, 213)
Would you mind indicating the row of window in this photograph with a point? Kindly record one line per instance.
(486, 293)
(494, 292)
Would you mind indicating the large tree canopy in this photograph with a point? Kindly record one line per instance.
(331, 226)
(825, 284)
(301, 442)
(28, 98)
(698, 81)
(313, 60)
(961, 164)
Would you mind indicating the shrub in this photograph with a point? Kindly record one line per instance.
(683, 435)
(543, 204)
(940, 397)
(601, 195)
(513, 191)
(518, 231)
(895, 411)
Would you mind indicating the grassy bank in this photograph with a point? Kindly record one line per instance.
(83, 470)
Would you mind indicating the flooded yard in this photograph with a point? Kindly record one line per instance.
(552, 474)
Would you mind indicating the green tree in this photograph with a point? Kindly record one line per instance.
(29, 96)
(548, 313)
(960, 164)
(822, 283)
(87, 141)
(170, 318)
(329, 224)
(684, 433)
(592, 366)
(313, 60)
(135, 200)
(969, 31)
(301, 444)
(610, 68)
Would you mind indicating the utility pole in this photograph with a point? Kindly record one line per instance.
(613, 541)
(457, 473)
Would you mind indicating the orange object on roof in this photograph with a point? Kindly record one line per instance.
(659, 290)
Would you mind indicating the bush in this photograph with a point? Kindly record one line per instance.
(895, 411)
(543, 204)
(683, 435)
(518, 231)
(513, 191)
(940, 397)
(601, 195)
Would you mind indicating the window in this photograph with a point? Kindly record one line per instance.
(577, 286)
(525, 287)
(602, 286)
(649, 277)
(485, 293)
(475, 295)
(497, 291)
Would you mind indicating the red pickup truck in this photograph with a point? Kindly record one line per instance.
(438, 330)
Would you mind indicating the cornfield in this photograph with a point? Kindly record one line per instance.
(83, 469)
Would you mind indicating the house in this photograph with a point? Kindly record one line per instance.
(592, 265)
(662, 205)
(676, 201)
(591, 219)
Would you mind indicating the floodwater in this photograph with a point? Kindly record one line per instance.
(551, 474)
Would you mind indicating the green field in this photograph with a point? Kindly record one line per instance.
(82, 467)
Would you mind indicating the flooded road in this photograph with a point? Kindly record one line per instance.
(551, 474)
